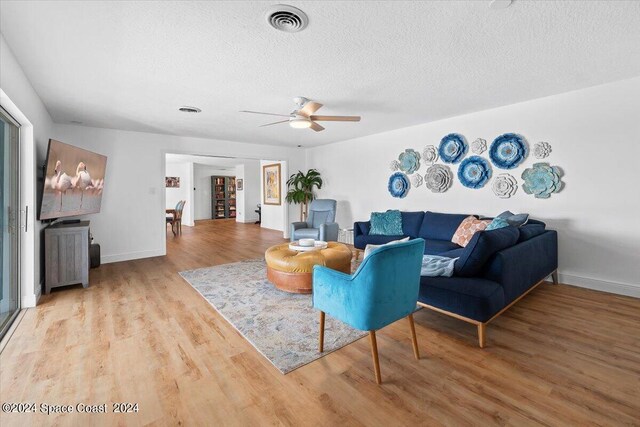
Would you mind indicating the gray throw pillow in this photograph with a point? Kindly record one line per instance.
(370, 248)
(513, 219)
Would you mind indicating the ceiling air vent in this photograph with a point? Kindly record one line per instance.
(189, 109)
(287, 18)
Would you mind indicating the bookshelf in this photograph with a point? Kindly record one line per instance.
(223, 197)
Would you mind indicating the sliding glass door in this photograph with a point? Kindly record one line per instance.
(10, 221)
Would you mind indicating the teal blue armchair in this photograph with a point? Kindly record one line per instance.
(383, 289)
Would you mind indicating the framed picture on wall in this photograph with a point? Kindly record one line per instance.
(172, 181)
(271, 182)
(239, 184)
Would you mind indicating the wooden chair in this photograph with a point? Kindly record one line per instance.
(176, 217)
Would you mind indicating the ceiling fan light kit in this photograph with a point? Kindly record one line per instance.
(299, 122)
(304, 118)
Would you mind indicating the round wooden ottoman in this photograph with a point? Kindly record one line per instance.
(291, 271)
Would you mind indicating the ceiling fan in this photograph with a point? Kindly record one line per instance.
(303, 117)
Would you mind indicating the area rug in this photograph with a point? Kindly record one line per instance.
(283, 327)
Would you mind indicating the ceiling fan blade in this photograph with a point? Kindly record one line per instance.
(310, 108)
(336, 118)
(316, 127)
(274, 123)
(268, 114)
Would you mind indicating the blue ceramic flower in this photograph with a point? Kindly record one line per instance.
(542, 180)
(453, 148)
(409, 160)
(474, 172)
(508, 150)
(398, 185)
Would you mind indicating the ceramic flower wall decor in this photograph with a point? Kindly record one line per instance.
(474, 172)
(416, 180)
(542, 180)
(409, 160)
(430, 154)
(398, 185)
(479, 146)
(438, 178)
(394, 165)
(504, 185)
(541, 150)
(453, 148)
(508, 150)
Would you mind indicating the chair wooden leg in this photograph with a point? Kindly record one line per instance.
(554, 277)
(416, 352)
(173, 230)
(321, 341)
(481, 335)
(374, 353)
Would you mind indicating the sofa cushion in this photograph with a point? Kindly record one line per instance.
(453, 253)
(477, 299)
(362, 241)
(362, 227)
(437, 247)
(411, 222)
(482, 246)
(387, 223)
(440, 226)
(530, 230)
(467, 228)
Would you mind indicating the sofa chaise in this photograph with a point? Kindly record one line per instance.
(495, 270)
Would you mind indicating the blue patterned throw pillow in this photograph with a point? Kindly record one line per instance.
(387, 223)
(497, 223)
(513, 219)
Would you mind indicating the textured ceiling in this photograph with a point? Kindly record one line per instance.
(130, 65)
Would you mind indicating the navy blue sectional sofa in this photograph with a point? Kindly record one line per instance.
(493, 271)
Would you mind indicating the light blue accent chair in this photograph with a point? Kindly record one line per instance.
(320, 223)
(383, 289)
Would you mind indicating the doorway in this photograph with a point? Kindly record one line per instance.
(220, 190)
(9, 220)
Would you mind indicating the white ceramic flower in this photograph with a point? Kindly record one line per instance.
(416, 180)
(479, 146)
(438, 178)
(504, 186)
(394, 165)
(541, 150)
(430, 154)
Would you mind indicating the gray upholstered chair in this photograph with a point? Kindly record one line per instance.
(320, 224)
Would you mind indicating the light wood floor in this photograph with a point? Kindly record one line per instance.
(562, 356)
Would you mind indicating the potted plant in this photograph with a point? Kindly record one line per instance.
(300, 189)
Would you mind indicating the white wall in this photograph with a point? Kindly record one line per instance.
(19, 98)
(132, 219)
(595, 134)
(249, 196)
(185, 171)
(273, 216)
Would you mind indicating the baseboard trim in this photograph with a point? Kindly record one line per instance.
(108, 259)
(247, 221)
(600, 285)
(29, 301)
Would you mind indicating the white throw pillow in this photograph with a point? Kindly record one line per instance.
(370, 248)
